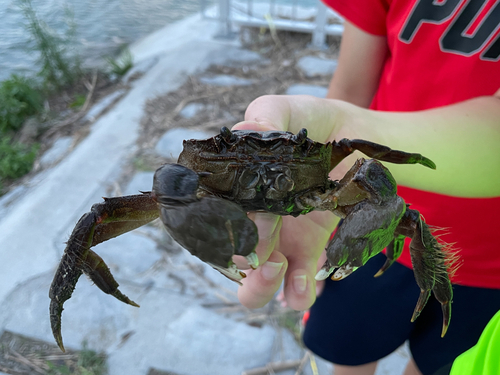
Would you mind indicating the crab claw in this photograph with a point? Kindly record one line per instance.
(78, 259)
(106, 220)
(210, 228)
(213, 229)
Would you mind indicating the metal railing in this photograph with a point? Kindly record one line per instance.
(317, 19)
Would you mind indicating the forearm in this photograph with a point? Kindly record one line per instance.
(462, 140)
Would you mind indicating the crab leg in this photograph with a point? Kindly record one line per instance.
(345, 147)
(375, 218)
(106, 220)
(429, 265)
(392, 252)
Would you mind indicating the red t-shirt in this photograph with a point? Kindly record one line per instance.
(440, 53)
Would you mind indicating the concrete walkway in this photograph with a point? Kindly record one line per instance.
(177, 328)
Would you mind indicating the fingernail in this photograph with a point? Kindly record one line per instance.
(270, 270)
(300, 284)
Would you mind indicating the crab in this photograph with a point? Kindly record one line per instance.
(204, 198)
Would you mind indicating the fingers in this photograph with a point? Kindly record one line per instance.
(254, 125)
(302, 241)
(261, 284)
(268, 227)
(300, 286)
(269, 112)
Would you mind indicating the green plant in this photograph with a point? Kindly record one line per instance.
(121, 65)
(79, 101)
(89, 363)
(57, 66)
(16, 159)
(19, 98)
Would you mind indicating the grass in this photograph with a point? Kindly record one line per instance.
(88, 362)
(23, 355)
(122, 64)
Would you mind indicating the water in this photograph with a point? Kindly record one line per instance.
(103, 26)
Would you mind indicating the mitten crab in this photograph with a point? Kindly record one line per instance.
(204, 198)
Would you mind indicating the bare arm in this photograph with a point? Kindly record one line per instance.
(360, 64)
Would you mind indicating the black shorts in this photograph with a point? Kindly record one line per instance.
(362, 319)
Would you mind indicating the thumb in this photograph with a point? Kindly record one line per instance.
(262, 125)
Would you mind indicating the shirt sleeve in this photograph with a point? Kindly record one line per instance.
(368, 15)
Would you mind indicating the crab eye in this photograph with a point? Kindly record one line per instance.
(227, 135)
(174, 183)
(300, 137)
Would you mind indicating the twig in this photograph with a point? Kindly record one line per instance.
(90, 93)
(57, 357)
(302, 363)
(25, 361)
(272, 30)
(273, 366)
(77, 116)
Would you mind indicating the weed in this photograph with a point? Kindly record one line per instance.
(19, 98)
(79, 101)
(16, 159)
(57, 67)
(121, 65)
(89, 362)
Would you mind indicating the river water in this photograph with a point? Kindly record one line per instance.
(103, 26)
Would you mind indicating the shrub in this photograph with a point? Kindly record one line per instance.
(16, 159)
(19, 98)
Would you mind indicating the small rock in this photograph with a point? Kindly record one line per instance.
(191, 110)
(236, 56)
(301, 89)
(170, 144)
(313, 66)
(226, 80)
(56, 152)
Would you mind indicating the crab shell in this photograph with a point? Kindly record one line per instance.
(260, 170)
